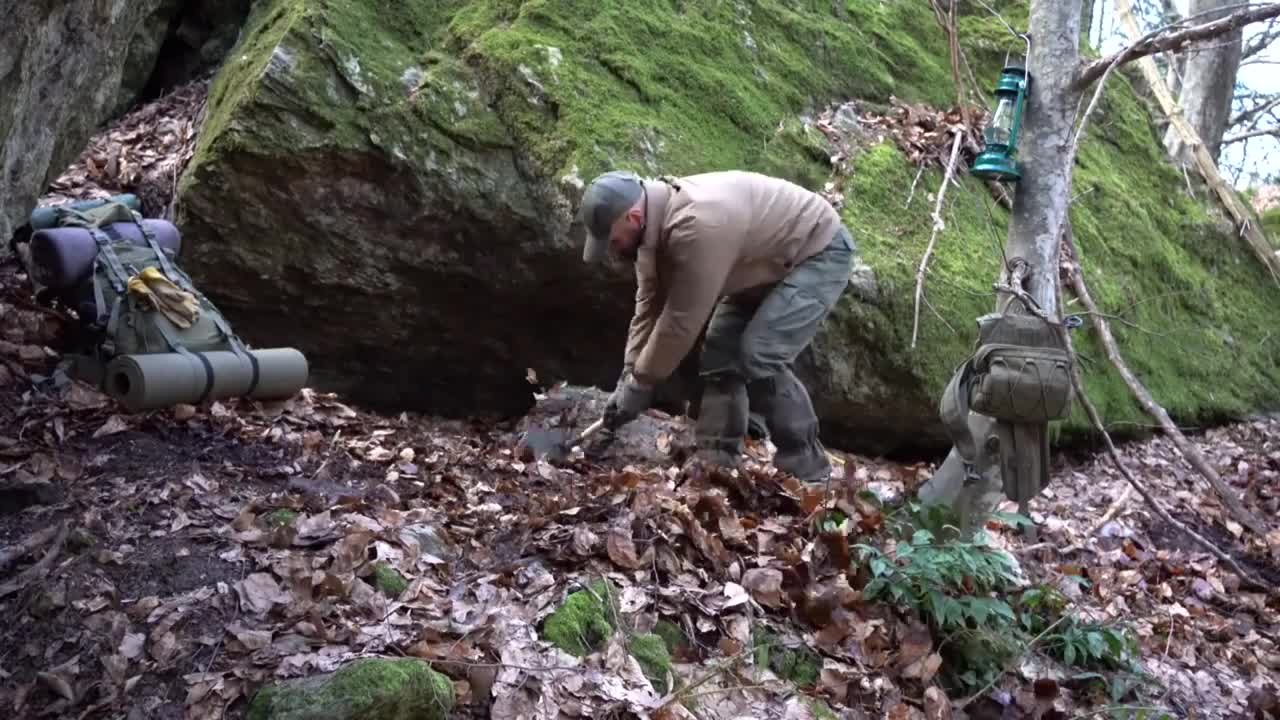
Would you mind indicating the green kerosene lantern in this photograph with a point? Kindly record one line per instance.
(998, 160)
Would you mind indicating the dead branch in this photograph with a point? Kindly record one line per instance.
(1261, 42)
(26, 546)
(938, 226)
(1251, 114)
(1143, 396)
(1163, 40)
(41, 567)
(1078, 383)
(1274, 132)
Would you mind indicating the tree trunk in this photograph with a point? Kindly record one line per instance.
(1208, 83)
(1040, 205)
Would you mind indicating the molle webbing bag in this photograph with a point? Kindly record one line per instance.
(157, 339)
(1021, 370)
(1020, 375)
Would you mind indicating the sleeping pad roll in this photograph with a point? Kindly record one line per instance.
(43, 218)
(155, 380)
(63, 257)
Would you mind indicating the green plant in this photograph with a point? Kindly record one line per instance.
(1084, 644)
(950, 584)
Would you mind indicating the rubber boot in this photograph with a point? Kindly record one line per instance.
(722, 420)
(793, 425)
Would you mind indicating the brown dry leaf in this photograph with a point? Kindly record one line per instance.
(765, 585)
(584, 541)
(936, 704)
(622, 550)
(114, 424)
(132, 645)
(259, 592)
(80, 396)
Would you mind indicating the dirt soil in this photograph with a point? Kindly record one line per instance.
(192, 554)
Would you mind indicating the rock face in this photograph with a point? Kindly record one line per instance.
(61, 68)
(66, 67)
(392, 189)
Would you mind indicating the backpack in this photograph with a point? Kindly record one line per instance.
(126, 321)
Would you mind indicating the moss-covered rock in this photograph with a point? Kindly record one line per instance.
(798, 664)
(389, 580)
(390, 187)
(368, 689)
(650, 651)
(584, 622)
(280, 517)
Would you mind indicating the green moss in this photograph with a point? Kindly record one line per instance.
(1154, 259)
(370, 689)
(389, 580)
(650, 650)
(1271, 226)
(583, 623)
(800, 665)
(821, 710)
(80, 539)
(671, 635)
(280, 518)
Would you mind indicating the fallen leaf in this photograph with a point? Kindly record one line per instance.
(132, 645)
(622, 550)
(259, 592)
(765, 585)
(114, 424)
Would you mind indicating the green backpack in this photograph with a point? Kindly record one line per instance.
(126, 324)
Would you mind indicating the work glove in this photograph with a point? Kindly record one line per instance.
(631, 398)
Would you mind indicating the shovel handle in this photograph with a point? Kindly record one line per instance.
(591, 429)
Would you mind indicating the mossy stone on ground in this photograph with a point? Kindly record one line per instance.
(365, 689)
(585, 621)
(280, 518)
(800, 665)
(650, 651)
(389, 580)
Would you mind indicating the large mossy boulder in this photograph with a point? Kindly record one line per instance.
(365, 689)
(390, 187)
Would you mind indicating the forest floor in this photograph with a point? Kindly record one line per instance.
(184, 557)
(167, 564)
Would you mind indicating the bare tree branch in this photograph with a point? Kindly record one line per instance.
(1261, 41)
(1274, 132)
(1264, 107)
(1165, 40)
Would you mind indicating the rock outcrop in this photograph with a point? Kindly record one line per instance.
(67, 67)
(61, 68)
(392, 190)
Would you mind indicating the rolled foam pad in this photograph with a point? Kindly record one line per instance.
(63, 257)
(156, 380)
(46, 217)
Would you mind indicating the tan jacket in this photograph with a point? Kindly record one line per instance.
(712, 235)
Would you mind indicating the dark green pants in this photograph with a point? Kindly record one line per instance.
(747, 358)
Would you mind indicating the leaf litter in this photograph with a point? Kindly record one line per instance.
(216, 548)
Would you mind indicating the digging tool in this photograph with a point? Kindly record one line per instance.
(552, 443)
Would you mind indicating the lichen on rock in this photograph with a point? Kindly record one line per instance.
(364, 689)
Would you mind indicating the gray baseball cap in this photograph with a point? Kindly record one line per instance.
(605, 200)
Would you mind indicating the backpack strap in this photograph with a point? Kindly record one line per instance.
(953, 410)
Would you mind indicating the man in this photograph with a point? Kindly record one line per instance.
(765, 258)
